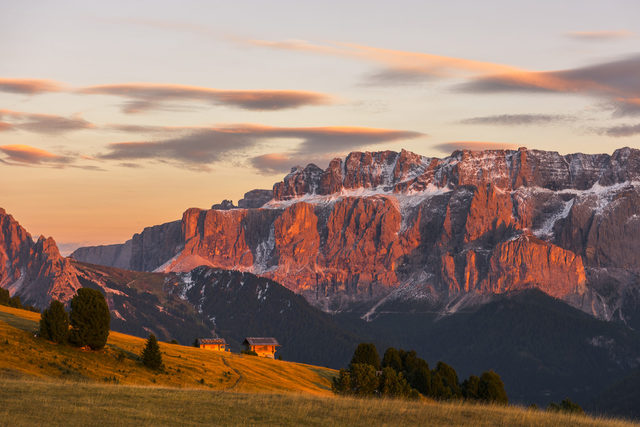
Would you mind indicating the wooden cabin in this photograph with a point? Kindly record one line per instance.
(215, 344)
(263, 346)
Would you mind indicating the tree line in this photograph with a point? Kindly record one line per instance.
(14, 301)
(403, 374)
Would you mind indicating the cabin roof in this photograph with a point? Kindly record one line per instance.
(261, 341)
(211, 341)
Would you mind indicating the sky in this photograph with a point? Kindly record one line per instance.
(119, 115)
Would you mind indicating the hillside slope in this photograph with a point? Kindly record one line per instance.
(24, 356)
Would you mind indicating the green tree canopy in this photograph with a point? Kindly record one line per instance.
(90, 319)
(491, 388)
(392, 359)
(54, 323)
(151, 356)
(449, 379)
(393, 384)
(366, 354)
(364, 381)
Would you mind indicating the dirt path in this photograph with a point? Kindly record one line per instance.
(234, 370)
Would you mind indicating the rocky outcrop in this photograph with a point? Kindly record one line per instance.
(255, 199)
(472, 223)
(33, 270)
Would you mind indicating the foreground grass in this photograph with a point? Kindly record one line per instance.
(24, 356)
(29, 402)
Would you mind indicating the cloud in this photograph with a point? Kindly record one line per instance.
(200, 147)
(4, 126)
(448, 147)
(615, 78)
(599, 35)
(622, 130)
(516, 119)
(400, 67)
(149, 96)
(618, 79)
(272, 163)
(625, 107)
(29, 86)
(43, 123)
(26, 154)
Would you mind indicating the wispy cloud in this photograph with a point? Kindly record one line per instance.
(600, 35)
(399, 66)
(617, 80)
(29, 86)
(622, 130)
(150, 96)
(27, 154)
(517, 119)
(200, 147)
(448, 147)
(41, 123)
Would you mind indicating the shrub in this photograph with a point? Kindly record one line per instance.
(366, 354)
(90, 319)
(151, 356)
(342, 383)
(565, 406)
(54, 323)
(249, 352)
(174, 341)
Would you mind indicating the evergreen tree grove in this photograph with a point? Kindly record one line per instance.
(151, 356)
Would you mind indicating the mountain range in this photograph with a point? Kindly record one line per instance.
(521, 261)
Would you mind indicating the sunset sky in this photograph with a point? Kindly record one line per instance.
(122, 114)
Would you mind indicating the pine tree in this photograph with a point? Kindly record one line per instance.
(366, 354)
(491, 388)
(151, 356)
(54, 323)
(393, 384)
(90, 319)
(392, 359)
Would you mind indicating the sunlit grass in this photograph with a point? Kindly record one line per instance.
(23, 355)
(29, 402)
(44, 383)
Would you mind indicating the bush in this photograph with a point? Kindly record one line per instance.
(90, 319)
(342, 383)
(565, 406)
(174, 341)
(151, 356)
(249, 352)
(366, 354)
(54, 323)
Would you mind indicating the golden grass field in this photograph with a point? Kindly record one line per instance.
(44, 383)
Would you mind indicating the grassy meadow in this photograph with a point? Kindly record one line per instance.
(45, 383)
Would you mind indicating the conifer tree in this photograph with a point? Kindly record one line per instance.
(366, 354)
(54, 323)
(90, 319)
(151, 356)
